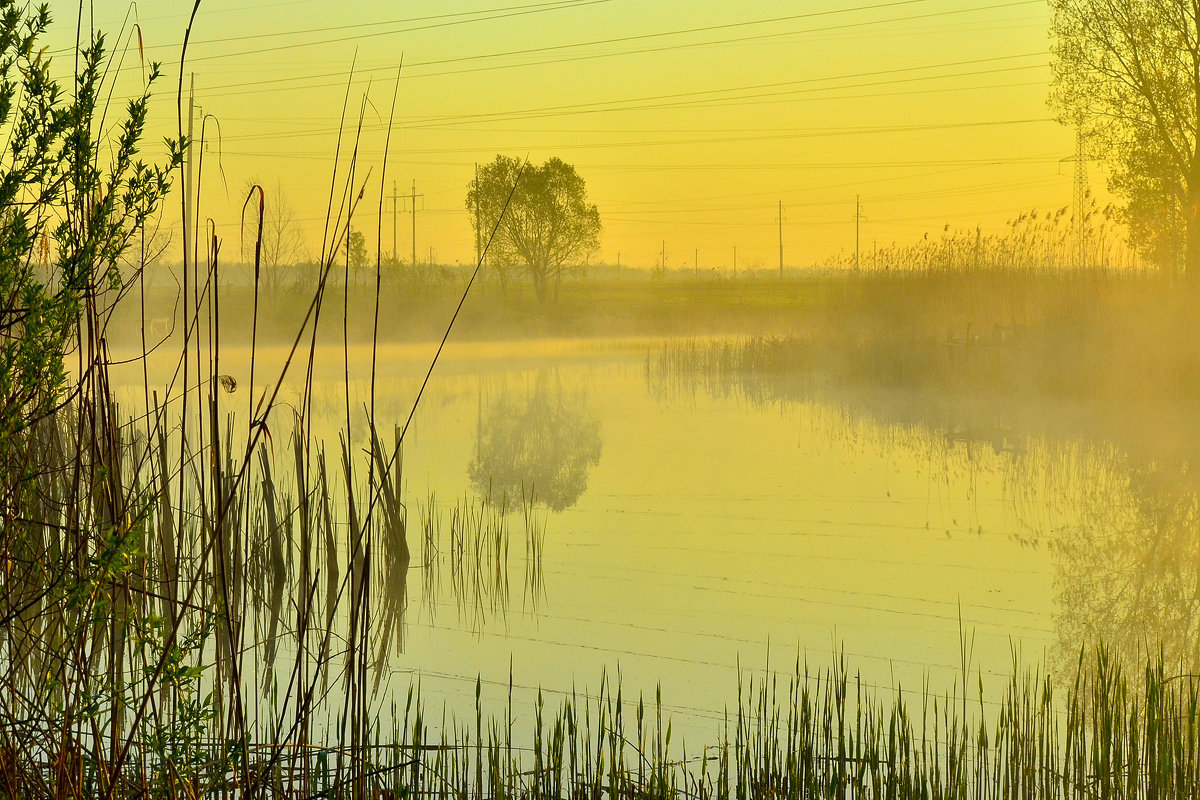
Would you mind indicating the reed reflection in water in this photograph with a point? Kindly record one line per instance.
(466, 557)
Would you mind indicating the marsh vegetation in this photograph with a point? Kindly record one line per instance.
(923, 530)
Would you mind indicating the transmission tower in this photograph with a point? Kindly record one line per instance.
(1081, 193)
(859, 219)
(1079, 199)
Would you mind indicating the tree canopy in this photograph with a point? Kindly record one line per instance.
(359, 260)
(1128, 73)
(549, 225)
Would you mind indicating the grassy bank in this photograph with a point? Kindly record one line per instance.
(633, 304)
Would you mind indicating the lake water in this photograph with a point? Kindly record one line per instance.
(692, 528)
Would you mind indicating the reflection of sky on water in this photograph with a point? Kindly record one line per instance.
(718, 525)
(1111, 491)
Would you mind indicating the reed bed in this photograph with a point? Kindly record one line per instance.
(793, 735)
(1081, 335)
(822, 734)
(1036, 240)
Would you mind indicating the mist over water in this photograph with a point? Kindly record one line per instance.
(677, 509)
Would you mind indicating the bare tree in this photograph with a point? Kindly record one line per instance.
(283, 240)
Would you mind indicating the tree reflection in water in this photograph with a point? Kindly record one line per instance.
(1127, 565)
(1113, 490)
(542, 439)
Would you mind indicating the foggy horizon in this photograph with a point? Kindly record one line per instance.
(689, 128)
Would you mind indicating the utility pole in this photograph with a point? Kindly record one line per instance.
(663, 263)
(858, 221)
(395, 206)
(414, 222)
(780, 238)
(735, 261)
(413, 209)
(696, 261)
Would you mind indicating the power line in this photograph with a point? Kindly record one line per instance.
(1001, 185)
(296, 119)
(707, 96)
(480, 15)
(243, 85)
(451, 123)
(793, 133)
(640, 37)
(689, 45)
(545, 6)
(710, 166)
(936, 90)
(500, 13)
(477, 16)
(585, 108)
(521, 12)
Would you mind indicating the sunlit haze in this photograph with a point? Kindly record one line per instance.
(690, 122)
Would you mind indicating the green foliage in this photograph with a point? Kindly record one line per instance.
(178, 747)
(548, 227)
(1127, 73)
(71, 205)
(119, 551)
(73, 195)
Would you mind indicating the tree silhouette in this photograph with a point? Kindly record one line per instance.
(549, 225)
(1128, 73)
(358, 254)
(282, 239)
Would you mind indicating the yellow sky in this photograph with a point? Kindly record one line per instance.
(690, 121)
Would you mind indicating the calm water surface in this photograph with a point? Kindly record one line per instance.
(688, 532)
